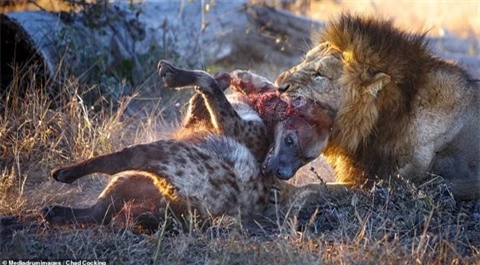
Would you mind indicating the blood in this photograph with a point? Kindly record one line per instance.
(273, 109)
(265, 99)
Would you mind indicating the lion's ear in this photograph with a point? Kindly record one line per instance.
(379, 81)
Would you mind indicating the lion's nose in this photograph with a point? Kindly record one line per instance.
(283, 87)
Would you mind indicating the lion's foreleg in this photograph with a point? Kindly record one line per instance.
(417, 164)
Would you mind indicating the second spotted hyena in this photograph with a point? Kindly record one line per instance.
(214, 171)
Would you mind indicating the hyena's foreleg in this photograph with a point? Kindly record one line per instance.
(223, 115)
(247, 129)
(197, 113)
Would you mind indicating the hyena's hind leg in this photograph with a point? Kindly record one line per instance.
(138, 188)
(136, 157)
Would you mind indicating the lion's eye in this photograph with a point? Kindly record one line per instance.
(319, 76)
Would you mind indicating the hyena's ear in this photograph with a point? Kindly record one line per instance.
(223, 79)
(377, 82)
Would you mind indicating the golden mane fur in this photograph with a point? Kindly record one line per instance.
(400, 110)
(370, 46)
(379, 46)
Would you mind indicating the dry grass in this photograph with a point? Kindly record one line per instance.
(39, 131)
(391, 224)
(387, 224)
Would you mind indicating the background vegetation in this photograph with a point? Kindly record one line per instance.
(388, 224)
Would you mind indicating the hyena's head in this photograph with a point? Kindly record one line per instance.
(297, 141)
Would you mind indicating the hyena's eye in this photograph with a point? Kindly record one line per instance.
(289, 140)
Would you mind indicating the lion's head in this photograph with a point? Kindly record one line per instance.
(362, 68)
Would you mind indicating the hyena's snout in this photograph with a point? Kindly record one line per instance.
(279, 166)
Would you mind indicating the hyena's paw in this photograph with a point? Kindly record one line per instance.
(57, 215)
(175, 77)
(168, 73)
(63, 174)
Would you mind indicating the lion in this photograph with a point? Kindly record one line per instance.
(399, 110)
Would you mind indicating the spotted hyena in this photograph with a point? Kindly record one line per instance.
(294, 132)
(215, 170)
